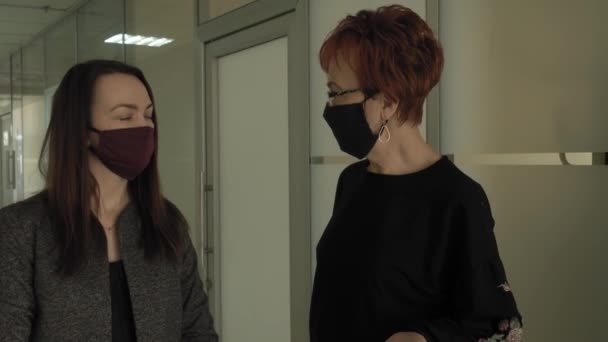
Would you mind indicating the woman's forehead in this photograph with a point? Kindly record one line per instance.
(120, 88)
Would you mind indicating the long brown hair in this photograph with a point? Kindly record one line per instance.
(70, 186)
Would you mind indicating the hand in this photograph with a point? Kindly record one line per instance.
(406, 337)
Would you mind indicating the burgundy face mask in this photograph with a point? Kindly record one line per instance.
(126, 151)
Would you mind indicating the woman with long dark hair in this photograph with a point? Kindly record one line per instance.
(100, 254)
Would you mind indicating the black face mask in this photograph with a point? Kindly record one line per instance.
(350, 128)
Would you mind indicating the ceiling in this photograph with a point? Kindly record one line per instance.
(21, 20)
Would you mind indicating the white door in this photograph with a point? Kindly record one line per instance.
(253, 192)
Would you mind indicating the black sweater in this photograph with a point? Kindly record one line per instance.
(412, 252)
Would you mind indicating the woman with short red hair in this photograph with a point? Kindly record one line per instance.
(409, 254)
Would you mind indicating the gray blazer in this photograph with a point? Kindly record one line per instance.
(168, 300)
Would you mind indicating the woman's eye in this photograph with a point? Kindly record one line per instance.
(332, 93)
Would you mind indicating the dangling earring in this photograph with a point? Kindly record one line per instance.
(384, 129)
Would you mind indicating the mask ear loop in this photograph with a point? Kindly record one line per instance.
(92, 129)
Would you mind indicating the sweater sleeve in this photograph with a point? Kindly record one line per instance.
(17, 303)
(197, 320)
(482, 304)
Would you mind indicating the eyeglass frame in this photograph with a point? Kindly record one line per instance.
(368, 93)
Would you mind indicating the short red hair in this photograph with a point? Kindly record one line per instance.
(393, 52)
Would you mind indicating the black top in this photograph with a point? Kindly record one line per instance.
(123, 326)
(412, 252)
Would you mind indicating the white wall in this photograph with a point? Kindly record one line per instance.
(34, 129)
(219, 7)
(525, 77)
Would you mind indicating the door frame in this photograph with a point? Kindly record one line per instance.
(433, 113)
(10, 166)
(254, 24)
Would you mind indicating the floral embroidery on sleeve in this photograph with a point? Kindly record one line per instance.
(505, 287)
(508, 331)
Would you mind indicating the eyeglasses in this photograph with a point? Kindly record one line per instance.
(331, 95)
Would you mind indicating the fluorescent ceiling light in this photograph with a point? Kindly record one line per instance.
(160, 42)
(146, 41)
(115, 39)
(133, 40)
(123, 38)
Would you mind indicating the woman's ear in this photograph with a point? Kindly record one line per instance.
(389, 107)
